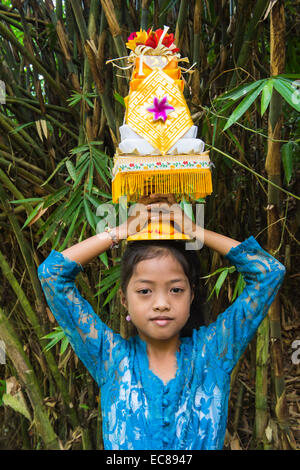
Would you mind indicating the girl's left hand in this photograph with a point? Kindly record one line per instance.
(160, 204)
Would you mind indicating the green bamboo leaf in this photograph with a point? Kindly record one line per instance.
(87, 100)
(81, 174)
(107, 283)
(167, 6)
(55, 336)
(64, 345)
(32, 215)
(30, 199)
(112, 293)
(17, 403)
(101, 155)
(84, 406)
(56, 215)
(289, 92)
(243, 106)
(119, 98)
(48, 233)
(89, 214)
(221, 280)
(240, 91)
(2, 390)
(295, 76)
(72, 205)
(235, 140)
(104, 258)
(266, 96)
(79, 149)
(239, 286)
(96, 142)
(71, 228)
(187, 209)
(56, 196)
(71, 169)
(101, 172)
(91, 174)
(287, 160)
(60, 164)
(231, 269)
(57, 237)
(17, 129)
(96, 202)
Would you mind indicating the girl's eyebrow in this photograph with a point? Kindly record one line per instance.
(153, 282)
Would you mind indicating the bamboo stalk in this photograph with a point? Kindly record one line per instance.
(27, 175)
(77, 9)
(145, 14)
(17, 139)
(40, 332)
(46, 116)
(114, 27)
(26, 251)
(250, 34)
(28, 379)
(261, 394)
(24, 52)
(273, 168)
(181, 22)
(105, 101)
(196, 52)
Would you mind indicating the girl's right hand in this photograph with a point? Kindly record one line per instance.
(141, 215)
(134, 224)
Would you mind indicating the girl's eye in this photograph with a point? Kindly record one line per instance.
(143, 291)
(178, 290)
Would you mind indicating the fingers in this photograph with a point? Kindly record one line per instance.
(157, 197)
(170, 198)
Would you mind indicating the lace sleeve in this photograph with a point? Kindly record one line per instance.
(229, 335)
(94, 343)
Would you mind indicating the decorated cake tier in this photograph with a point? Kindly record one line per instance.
(158, 150)
(133, 143)
(187, 175)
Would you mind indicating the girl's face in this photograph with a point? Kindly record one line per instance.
(158, 298)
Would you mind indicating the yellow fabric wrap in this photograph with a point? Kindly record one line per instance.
(148, 64)
(161, 135)
(188, 175)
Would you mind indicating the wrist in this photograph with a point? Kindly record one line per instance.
(112, 234)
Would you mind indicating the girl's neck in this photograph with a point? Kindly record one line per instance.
(161, 349)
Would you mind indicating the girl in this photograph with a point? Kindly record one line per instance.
(161, 389)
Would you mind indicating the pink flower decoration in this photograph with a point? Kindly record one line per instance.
(132, 36)
(160, 108)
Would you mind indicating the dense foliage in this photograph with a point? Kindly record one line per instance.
(60, 109)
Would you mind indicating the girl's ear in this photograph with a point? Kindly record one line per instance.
(123, 298)
(192, 296)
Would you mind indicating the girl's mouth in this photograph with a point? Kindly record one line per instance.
(162, 320)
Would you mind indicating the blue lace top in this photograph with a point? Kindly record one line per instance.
(139, 411)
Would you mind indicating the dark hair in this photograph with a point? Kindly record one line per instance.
(141, 250)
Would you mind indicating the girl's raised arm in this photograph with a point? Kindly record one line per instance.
(95, 344)
(227, 338)
(98, 347)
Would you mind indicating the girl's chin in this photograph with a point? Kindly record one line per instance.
(161, 334)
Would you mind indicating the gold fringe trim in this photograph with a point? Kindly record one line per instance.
(193, 183)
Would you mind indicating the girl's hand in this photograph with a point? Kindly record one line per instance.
(150, 208)
(139, 218)
(166, 204)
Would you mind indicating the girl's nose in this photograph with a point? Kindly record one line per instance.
(161, 304)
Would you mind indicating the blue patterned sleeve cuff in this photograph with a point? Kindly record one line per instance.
(263, 274)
